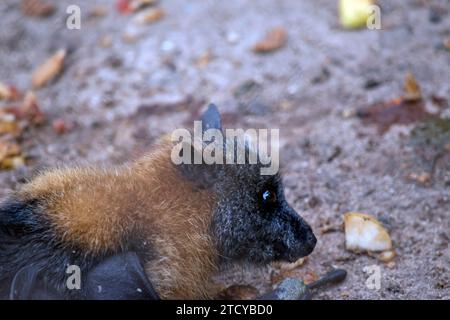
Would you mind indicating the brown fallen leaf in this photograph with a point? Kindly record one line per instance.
(105, 41)
(446, 43)
(395, 111)
(123, 6)
(307, 276)
(238, 292)
(28, 110)
(8, 148)
(129, 37)
(411, 88)
(151, 15)
(8, 92)
(10, 155)
(49, 69)
(60, 126)
(4, 91)
(129, 6)
(98, 12)
(440, 101)
(31, 108)
(37, 8)
(204, 59)
(141, 4)
(9, 124)
(422, 177)
(13, 162)
(290, 265)
(274, 39)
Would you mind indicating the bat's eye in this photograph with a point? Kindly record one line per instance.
(269, 197)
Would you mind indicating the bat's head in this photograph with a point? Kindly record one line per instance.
(252, 220)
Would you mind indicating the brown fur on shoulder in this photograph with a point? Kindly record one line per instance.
(98, 209)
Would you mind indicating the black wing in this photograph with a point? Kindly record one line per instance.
(33, 263)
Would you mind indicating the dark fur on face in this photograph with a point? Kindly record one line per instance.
(253, 222)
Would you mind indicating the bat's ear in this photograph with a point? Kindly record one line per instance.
(119, 277)
(188, 154)
(211, 118)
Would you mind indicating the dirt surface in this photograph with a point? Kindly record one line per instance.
(126, 84)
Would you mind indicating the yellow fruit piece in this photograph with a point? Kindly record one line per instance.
(353, 14)
(365, 233)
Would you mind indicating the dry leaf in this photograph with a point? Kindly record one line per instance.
(291, 265)
(238, 292)
(411, 89)
(123, 6)
(310, 277)
(395, 111)
(365, 233)
(129, 6)
(422, 178)
(151, 15)
(307, 276)
(98, 12)
(129, 37)
(446, 43)
(13, 162)
(204, 59)
(140, 4)
(49, 69)
(274, 39)
(29, 109)
(60, 126)
(105, 41)
(8, 124)
(8, 149)
(37, 8)
(10, 155)
(5, 93)
(8, 92)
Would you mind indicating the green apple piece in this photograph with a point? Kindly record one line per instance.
(354, 13)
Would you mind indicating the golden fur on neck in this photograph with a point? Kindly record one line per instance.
(98, 209)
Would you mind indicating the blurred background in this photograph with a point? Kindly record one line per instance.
(362, 112)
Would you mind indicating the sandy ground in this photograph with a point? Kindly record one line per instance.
(126, 84)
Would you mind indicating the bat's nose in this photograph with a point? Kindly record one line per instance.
(310, 242)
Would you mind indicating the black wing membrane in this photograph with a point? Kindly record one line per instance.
(33, 263)
(119, 277)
